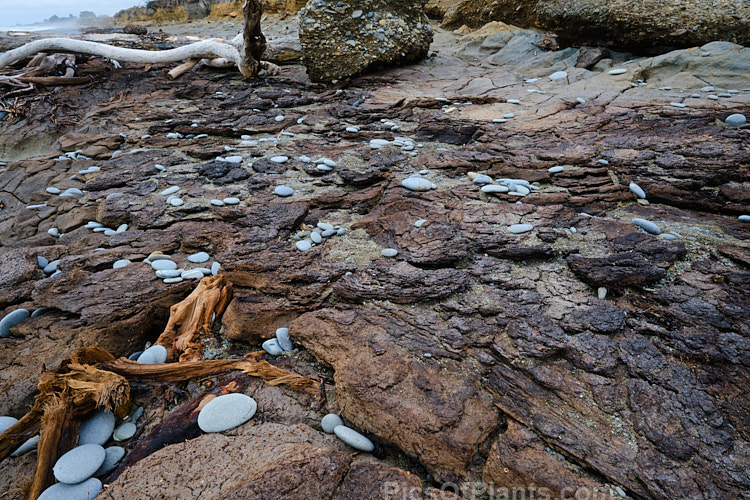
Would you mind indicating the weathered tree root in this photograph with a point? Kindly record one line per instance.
(244, 51)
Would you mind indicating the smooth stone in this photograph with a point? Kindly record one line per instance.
(6, 423)
(135, 415)
(215, 268)
(53, 190)
(217, 203)
(121, 263)
(282, 338)
(523, 190)
(79, 464)
(163, 264)
(12, 319)
(316, 238)
(420, 223)
(509, 115)
(677, 104)
(323, 168)
(232, 201)
(176, 202)
(26, 447)
(124, 431)
(581, 100)
(494, 188)
(72, 192)
(226, 412)
(520, 228)
(134, 356)
(109, 232)
(353, 438)
(601, 292)
(482, 179)
(736, 120)
(283, 191)
(156, 352)
(637, 190)
(279, 159)
(198, 258)
(168, 273)
(303, 245)
(499, 120)
(121, 228)
(97, 429)
(170, 190)
(558, 75)
(305, 159)
(53, 231)
(34, 207)
(86, 490)
(389, 252)
(556, 169)
(330, 422)
(378, 143)
(154, 256)
(113, 456)
(744, 218)
(352, 129)
(41, 261)
(417, 184)
(38, 312)
(341, 231)
(647, 226)
(176, 279)
(272, 347)
(328, 233)
(233, 159)
(618, 71)
(192, 274)
(51, 267)
(92, 224)
(513, 101)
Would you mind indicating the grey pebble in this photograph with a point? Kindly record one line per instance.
(330, 422)
(163, 264)
(85, 490)
(217, 203)
(38, 312)
(215, 268)
(637, 190)
(304, 245)
(176, 279)
(482, 179)
(170, 190)
(316, 238)
(744, 218)
(417, 184)
(280, 159)
(389, 252)
(175, 202)
(328, 233)
(226, 412)
(353, 438)
(647, 226)
(736, 120)
(124, 431)
(232, 201)
(283, 191)
(520, 228)
(26, 447)
(282, 338)
(6, 423)
(556, 169)
(420, 223)
(79, 464)
(154, 354)
(120, 263)
(601, 292)
(113, 456)
(12, 319)
(341, 231)
(192, 274)
(198, 258)
(168, 273)
(272, 347)
(97, 429)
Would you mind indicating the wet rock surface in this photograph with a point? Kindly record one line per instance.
(475, 354)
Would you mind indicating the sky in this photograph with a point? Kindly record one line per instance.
(14, 12)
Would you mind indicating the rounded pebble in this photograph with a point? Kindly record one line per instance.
(232, 201)
(330, 422)
(420, 223)
(389, 252)
(154, 354)
(282, 337)
(520, 228)
(601, 292)
(97, 429)
(85, 490)
(215, 268)
(199, 257)
(217, 203)
(618, 71)
(556, 169)
(120, 263)
(176, 279)
(283, 191)
(112, 457)
(12, 319)
(163, 264)
(280, 159)
(736, 120)
(175, 202)
(6, 423)
(558, 75)
(316, 238)
(417, 184)
(192, 274)
(303, 245)
(124, 431)
(637, 190)
(494, 188)
(272, 347)
(353, 438)
(744, 218)
(26, 447)
(226, 412)
(79, 464)
(168, 273)
(647, 226)
(482, 179)
(170, 190)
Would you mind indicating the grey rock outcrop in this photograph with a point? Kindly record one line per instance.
(345, 38)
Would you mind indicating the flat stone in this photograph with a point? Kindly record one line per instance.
(154, 256)
(217, 203)
(199, 257)
(26, 447)
(280, 159)
(303, 245)
(163, 264)
(378, 143)
(79, 464)
(494, 188)
(637, 190)
(122, 228)
(677, 104)
(647, 226)
(154, 354)
(124, 431)
(53, 190)
(282, 337)
(168, 273)
(283, 191)
(85, 490)
(192, 274)
(330, 422)
(520, 228)
(226, 412)
(509, 115)
(272, 347)
(558, 75)
(744, 218)
(316, 238)
(12, 319)
(417, 184)
(482, 179)
(215, 268)
(736, 120)
(176, 279)
(353, 438)
(556, 169)
(97, 429)
(420, 223)
(389, 252)
(233, 159)
(601, 292)
(232, 201)
(121, 263)
(170, 190)
(618, 71)
(38, 312)
(328, 233)
(113, 456)
(176, 202)
(6, 423)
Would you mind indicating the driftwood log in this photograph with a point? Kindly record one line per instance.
(93, 380)
(244, 51)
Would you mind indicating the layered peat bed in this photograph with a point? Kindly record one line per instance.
(582, 353)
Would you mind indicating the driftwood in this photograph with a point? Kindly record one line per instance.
(93, 379)
(243, 51)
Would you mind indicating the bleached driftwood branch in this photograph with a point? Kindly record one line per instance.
(244, 51)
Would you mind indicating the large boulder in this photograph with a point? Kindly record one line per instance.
(640, 25)
(345, 37)
(475, 13)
